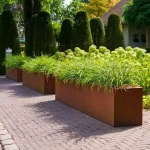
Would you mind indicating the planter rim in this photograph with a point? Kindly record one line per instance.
(96, 86)
(38, 73)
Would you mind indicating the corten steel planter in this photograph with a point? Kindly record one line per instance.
(14, 74)
(117, 108)
(39, 82)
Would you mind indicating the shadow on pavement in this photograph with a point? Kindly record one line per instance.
(13, 88)
(76, 124)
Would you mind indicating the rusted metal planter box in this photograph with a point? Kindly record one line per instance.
(116, 108)
(14, 74)
(39, 82)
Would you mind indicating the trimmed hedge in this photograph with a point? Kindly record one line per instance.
(65, 35)
(114, 35)
(98, 31)
(82, 36)
(44, 37)
(8, 36)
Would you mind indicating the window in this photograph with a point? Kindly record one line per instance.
(135, 38)
(143, 38)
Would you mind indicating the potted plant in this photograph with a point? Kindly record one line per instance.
(13, 67)
(102, 85)
(38, 74)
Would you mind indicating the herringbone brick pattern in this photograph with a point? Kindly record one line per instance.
(38, 122)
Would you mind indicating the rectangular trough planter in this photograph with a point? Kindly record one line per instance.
(14, 74)
(39, 82)
(116, 108)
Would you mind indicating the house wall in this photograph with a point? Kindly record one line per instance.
(139, 32)
(126, 34)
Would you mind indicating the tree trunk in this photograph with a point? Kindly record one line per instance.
(148, 38)
(37, 6)
(28, 8)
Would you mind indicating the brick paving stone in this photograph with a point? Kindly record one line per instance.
(38, 122)
(7, 142)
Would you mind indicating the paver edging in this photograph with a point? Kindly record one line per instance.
(6, 140)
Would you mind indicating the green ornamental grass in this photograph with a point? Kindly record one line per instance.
(42, 64)
(15, 61)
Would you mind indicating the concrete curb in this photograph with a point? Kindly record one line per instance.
(6, 140)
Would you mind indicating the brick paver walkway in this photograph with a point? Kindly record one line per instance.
(38, 122)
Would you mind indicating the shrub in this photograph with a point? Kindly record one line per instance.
(15, 61)
(44, 37)
(30, 37)
(114, 35)
(82, 36)
(98, 31)
(65, 35)
(8, 36)
(9, 33)
(42, 64)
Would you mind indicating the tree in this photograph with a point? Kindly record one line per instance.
(8, 25)
(114, 35)
(96, 8)
(2, 54)
(30, 37)
(66, 35)
(8, 35)
(44, 37)
(16, 6)
(70, 10)
(137, 13)
(98, 31)
(56, 9)
(28, 8)
(82, 36)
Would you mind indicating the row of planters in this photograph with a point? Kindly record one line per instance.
(105, 85)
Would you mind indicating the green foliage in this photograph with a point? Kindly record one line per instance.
(120, 68)
(114, 35)
(137, 12)
(57, 28)
(65, 35)
(30, 37)
(146, 102)
(96, 70)
(44, 37)
(15, 61)
(8, 36)
(42, 64)
(70, 10)
(82, 36)
(98, 31)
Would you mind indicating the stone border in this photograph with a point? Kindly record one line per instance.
(6, 139)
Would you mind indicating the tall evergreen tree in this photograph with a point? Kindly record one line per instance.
(8, 34)
(28, 9)
(2, 53)
(114, 35)
(65, 35)
(82, 36)
(98, 31)
(31, 7)
(30, 37)
(44, 37)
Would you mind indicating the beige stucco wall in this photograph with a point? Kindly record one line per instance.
(126, 34)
